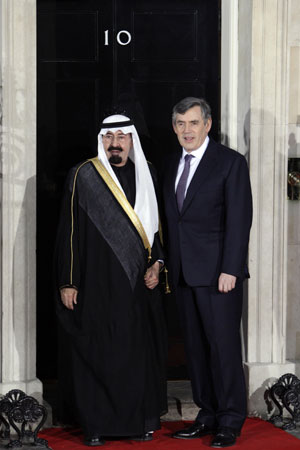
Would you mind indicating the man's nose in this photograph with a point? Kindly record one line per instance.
(187, 127)
(115, 140)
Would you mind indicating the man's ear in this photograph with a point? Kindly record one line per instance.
(208, 125)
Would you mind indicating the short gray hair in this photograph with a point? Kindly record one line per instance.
(187, 103)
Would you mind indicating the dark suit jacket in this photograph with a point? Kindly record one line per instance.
(211, 233)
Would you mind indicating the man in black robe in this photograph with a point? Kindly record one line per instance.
(108, 257)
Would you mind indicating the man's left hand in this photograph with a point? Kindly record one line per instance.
(226, 282)
(151, 277)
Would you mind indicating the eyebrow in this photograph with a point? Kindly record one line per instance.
(110, 133)
(188, 121)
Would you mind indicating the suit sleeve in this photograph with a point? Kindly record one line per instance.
(238, 219)
(157, 248)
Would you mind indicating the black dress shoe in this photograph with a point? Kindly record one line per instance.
(143, 437)
(225, 437)
(93, 441)
(194, 431)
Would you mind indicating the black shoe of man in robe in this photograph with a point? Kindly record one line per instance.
(93, 441)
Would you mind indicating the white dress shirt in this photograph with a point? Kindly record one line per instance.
(193, 163)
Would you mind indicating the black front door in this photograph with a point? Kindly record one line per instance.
(93, 56)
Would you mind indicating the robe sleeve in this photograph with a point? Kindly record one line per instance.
(67, 243)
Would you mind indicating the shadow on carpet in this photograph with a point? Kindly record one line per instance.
(257, 435)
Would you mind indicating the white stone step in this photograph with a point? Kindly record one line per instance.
(180, 402)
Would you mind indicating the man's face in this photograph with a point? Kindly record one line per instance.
(117, 147)
(190, 128)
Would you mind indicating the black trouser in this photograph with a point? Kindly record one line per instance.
(211, 325)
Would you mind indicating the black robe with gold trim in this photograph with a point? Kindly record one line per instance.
(114, 342)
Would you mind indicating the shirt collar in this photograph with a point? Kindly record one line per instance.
(199, 152)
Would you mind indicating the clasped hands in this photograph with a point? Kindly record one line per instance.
(151, 277)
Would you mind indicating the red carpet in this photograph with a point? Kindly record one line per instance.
(257, 435)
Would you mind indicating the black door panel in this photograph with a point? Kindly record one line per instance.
(94, 55)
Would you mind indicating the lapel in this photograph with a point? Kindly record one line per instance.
(204, 169)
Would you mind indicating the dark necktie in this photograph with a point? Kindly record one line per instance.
(181, 187)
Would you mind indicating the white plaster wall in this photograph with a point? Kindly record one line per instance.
(1, 114)
(229, 72)
(244, 77)
(18, 196)
(293, 207)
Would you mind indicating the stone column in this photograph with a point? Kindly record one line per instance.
(229, 72)
(293, 148)
(18, 197)
(268, 290)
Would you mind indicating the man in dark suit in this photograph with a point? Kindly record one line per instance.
(208, 209)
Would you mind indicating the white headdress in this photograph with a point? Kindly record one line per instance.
(145, 200)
